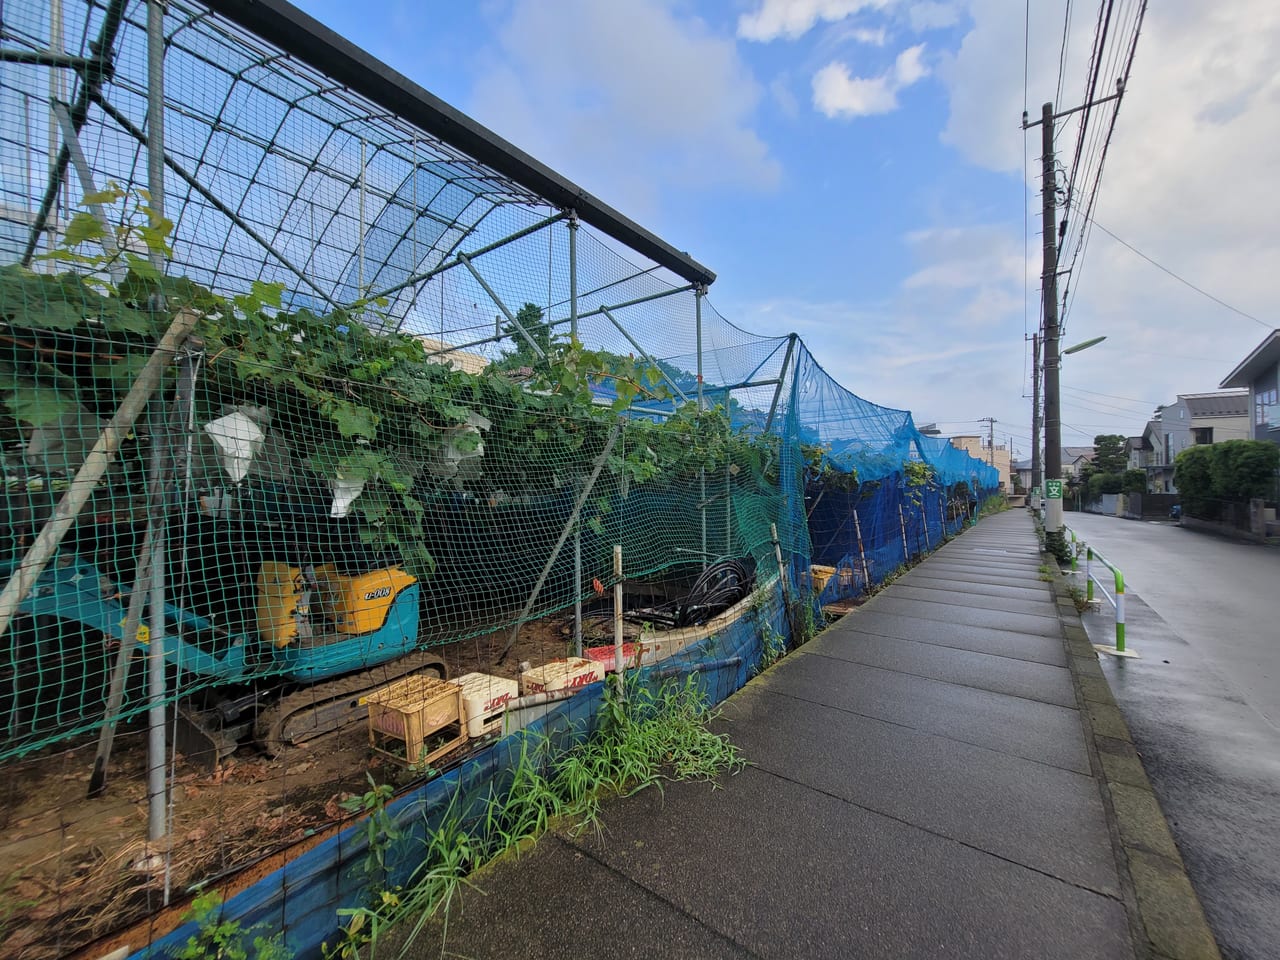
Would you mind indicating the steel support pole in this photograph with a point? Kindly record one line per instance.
(157, 747)
(360, 239)
(155, 116)
(902, 525)
(564, 535)
(777, 393)
(728, 496)
(56, 95)
(577, 527)
(157, 827)
(619, 668)
(698, 293)
(511, 317)
(644, 353)
(71, 140)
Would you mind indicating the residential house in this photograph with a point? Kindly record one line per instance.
(1259, 375)
(978, 448)
(1134, 449)
(1193, 419)
(1021, 469)
(1153, 455)
(1074, 460)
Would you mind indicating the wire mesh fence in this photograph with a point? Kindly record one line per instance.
(302, 403)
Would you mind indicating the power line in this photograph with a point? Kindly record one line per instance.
(1062, 53)
(1082, 241)
(1112, 396)
(1180, 279)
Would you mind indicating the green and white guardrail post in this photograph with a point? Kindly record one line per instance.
(1117, 601)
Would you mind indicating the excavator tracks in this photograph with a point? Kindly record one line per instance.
(325, 708)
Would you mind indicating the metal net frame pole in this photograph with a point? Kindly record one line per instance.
(699, 292)
(577, 526)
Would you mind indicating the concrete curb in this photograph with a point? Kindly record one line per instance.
(1165, 915)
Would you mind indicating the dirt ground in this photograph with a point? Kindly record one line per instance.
(70, 871)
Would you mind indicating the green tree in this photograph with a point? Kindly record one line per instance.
(1108, 453)
(1193, 476)
(1135, 481)
(529, 317)
(1244, 469)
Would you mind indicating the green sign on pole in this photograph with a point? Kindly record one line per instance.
(1054, 489)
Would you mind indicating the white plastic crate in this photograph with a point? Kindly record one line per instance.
(566, 674)
(484, 700)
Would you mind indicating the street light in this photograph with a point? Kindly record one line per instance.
(1053, 435)
(1083, 346)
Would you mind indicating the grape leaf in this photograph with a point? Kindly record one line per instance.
(40, 403)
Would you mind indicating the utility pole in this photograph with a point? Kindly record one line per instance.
(1049, 284)
(991, 438)
(1035, 418)
(1049, 288)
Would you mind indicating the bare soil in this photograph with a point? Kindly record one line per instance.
(77, 870)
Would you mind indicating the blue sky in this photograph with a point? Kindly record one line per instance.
(853, 170)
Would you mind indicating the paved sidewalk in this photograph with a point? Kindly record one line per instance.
(921, 786)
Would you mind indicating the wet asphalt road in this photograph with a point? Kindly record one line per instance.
(1203, 705)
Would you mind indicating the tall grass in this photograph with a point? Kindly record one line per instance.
(644, 737)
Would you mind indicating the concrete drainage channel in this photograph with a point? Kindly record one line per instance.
(1165, 914)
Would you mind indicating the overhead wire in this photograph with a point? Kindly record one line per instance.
(1109, 395)
(1062, 51)
(1130, 31)
(1183, 280)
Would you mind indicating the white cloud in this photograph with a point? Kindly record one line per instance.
(837, 93)
(1189, 180)
(947, 344)
(638, 96)
(931, 15)
(872, 38)
(792, 19)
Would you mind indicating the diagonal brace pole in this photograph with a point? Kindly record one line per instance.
(71, 142)
(644, 353)
(564, 535)
(25, 575)
(466, 262)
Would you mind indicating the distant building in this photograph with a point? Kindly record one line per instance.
(442, 352)
(1259, 375)
(978, 448)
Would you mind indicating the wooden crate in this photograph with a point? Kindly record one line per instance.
(416, 719)
(484, 701)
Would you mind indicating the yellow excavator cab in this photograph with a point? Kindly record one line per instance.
(280, 590)
(359, 604)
